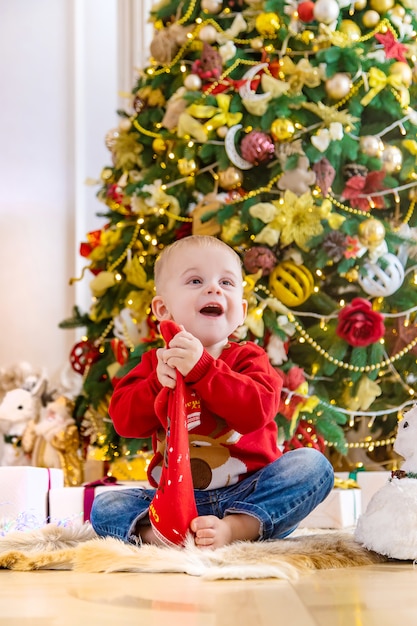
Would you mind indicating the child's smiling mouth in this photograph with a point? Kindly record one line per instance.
(212, 310)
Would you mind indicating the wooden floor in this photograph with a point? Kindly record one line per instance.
(382, 595)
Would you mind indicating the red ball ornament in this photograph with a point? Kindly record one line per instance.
(257, 147)
(305, 11)
(82, 355)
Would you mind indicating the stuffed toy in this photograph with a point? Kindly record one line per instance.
(389, 524)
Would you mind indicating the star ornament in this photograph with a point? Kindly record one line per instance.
(392, 48)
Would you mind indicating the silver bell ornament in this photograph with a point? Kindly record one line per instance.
(392, 159)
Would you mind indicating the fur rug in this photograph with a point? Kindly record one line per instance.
(78, 548)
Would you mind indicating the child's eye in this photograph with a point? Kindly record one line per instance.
(195, 281)
(227, 282)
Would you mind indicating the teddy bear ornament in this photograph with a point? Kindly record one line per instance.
(389, 524)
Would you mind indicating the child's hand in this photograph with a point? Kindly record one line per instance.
(183, 353)
(166, 374)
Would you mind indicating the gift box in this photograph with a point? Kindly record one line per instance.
(73, 504)
(24, 493)
(370, 483)
(341, 509)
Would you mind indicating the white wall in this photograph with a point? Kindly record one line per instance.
(61, 67)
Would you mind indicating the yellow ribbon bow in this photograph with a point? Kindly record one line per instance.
(215, 116)
(378, 80)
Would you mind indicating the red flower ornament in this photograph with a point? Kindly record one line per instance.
(359, 325)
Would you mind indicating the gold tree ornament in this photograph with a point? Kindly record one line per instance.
(230, 178)
(338, 86)
(292, 284)
(371, 233)
(282, 129)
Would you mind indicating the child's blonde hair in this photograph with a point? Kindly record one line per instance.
(202, 241)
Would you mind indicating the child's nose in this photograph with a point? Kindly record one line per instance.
(213, 288)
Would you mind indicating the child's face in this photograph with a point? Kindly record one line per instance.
(201, 289)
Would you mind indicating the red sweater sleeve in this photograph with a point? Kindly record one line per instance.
(132, 403)
(240, 386)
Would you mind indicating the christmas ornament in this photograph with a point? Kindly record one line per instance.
(392, 159)
(173, 506)
(282, 129)
(298, 180)
(305, 11)
(82, 355)
(192, 82)
(359, 324)
(354, 169)
(382, 281)
(403, 70)
(159, 145)
(338, 86)
(186, 167)
(208, 34)
(138, 104)
(360, 5)
(292, 284)
(326, 11)
(245, 90)
(257, 147)
(371, 233)
(382, 6)
(350, 29)
(259, 258)
(371, 145)
(325, 175)
(267, 24)
(210, 204)
(370, 19)
(230, 178)
(229, 145)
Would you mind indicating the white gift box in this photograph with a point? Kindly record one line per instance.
(24, 492)
(340, 509)
(369, 483)
(67, 503)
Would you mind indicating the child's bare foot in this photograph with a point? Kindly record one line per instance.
(213, 532)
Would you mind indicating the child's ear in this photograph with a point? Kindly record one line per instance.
(159, 309)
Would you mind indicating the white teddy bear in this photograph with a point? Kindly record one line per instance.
(389, 524)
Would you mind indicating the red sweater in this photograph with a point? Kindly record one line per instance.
(231, 405)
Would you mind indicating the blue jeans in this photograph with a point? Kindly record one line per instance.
(280, 495)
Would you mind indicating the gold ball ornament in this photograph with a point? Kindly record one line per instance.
(371, 146)
(292, 284)
(230, 178)
(159, 146)
(398, 11)
(338, 86)
(371, 233)
(267, 24)
(392, 159)
(186, 167)
(350, 29)
(404, 70)
(360, 5)
(370, 19)
(412, 194)
(382, 6)
(222, 131)
(282, 129)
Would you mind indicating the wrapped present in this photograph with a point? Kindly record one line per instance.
(24, 494)
(73, 504)
(370, 483)
(341, 509)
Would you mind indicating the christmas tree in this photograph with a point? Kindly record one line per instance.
(286, 129)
